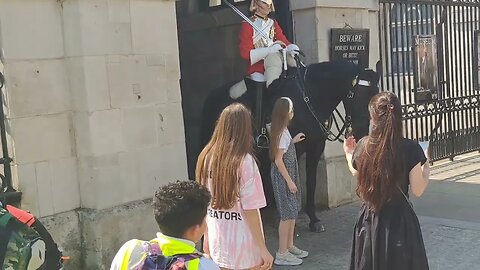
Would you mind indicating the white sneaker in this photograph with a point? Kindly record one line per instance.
(298, 252)
(287, 258)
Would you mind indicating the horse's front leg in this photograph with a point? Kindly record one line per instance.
(314, 153)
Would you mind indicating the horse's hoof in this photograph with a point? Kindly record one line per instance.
(317, 227)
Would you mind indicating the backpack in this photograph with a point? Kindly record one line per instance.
(53, 256)
(155, 260)
(21, 247)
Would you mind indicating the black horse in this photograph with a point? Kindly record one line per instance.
(316, 92)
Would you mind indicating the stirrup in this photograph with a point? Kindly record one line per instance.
(262, 140)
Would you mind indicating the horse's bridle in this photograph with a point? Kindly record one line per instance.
(325, 127)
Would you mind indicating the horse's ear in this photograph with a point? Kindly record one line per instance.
(379, 69)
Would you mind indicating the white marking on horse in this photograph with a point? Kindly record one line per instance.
(237, 90)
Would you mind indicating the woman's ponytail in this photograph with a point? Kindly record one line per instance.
(383, 168)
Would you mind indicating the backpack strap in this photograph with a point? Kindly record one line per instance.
(180, 261)
(153, 253)
(152, 247)
(149, 248)
(22, 215)
(125, 265)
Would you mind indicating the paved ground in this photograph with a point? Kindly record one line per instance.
(449, 215)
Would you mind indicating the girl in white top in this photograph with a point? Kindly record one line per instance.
(234, 237)
(285, 181)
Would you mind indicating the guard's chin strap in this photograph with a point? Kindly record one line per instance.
(261, 17)
(347, 123)
(348, 118)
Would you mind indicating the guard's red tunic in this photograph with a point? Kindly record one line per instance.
(246, 45)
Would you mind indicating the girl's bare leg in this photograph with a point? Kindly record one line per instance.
(283, 237)
(291, 233)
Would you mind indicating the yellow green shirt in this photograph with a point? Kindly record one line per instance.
(131, 253)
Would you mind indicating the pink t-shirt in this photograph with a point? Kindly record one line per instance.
(230, 241)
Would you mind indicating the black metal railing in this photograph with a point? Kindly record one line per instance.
(451, 119)
(8, 194)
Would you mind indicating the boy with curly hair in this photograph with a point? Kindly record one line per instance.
(180, 210)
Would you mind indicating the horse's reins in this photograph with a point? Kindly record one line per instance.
(306, 98)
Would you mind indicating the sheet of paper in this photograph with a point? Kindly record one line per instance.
(424, 145)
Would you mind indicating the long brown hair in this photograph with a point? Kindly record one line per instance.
(221, 158)
(280, 118)
(381, 166)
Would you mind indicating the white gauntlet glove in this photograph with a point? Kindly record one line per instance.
(293, 49)
(259, 54)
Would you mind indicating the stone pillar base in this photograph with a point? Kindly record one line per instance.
(335, 184)
(321, 192)
(66, 232)
(341, 184)
(92, 237)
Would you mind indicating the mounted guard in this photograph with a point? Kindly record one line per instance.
(268, 52)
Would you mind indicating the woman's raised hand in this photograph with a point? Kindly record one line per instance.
(349, 145)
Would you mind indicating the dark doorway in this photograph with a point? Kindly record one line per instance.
(284, 17)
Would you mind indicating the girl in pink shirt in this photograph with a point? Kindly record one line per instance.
(234, 237)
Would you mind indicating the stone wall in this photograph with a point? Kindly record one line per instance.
(313, 20)
(94, 113)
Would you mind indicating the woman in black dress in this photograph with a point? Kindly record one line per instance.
(387, 234)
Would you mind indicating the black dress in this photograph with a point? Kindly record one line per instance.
(391, 239)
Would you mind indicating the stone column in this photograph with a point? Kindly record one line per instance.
(313, 20)
(39, 114)
(94, 111)
(122, 58)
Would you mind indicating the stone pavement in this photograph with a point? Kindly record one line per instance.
(449, 215)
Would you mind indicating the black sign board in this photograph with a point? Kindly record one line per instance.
(351, 45)
(426, 72)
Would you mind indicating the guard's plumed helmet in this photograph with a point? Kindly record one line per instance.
(270, 2)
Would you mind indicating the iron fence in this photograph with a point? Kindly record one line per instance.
(7, 192)
(449, 118)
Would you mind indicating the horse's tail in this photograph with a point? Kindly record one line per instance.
(208, 121)
(212, 107)
(215, 102)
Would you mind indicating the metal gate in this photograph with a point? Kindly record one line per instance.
(447, 113)
(7, 193)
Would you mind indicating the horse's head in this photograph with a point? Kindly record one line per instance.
(356, 102)
(328, 84)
